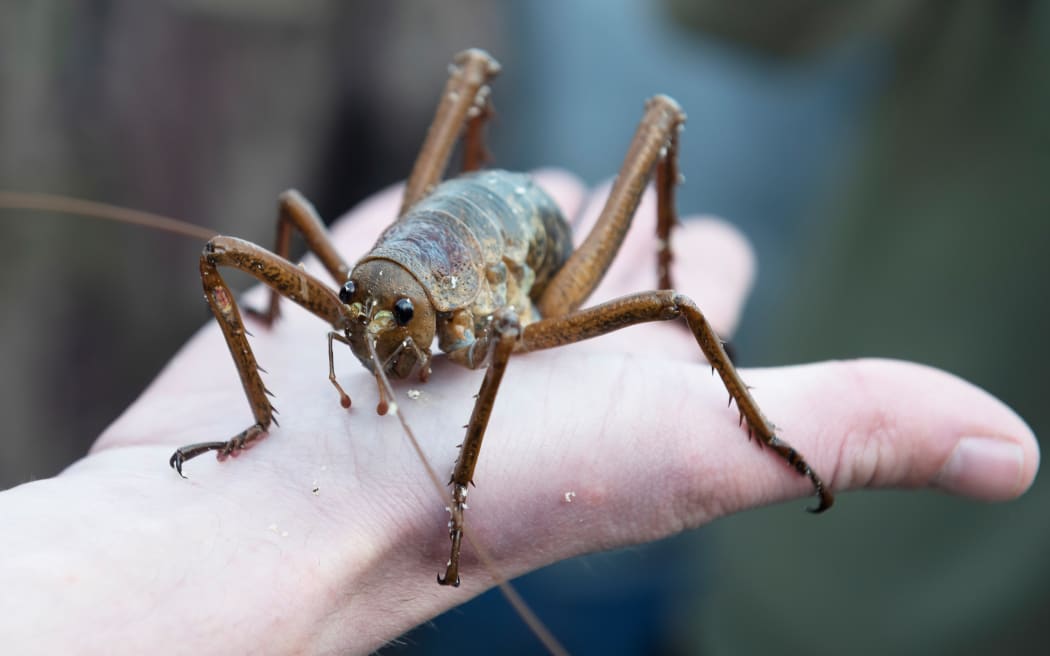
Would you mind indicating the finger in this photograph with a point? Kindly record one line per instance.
(883, 423)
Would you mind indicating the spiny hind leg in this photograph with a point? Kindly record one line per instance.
(475, 153)
(665, 305)
(666, 180)
(465, 105)
(654, 146)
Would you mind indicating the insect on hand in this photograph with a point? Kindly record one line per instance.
(482, 262)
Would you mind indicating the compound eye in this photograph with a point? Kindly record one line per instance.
(403, 311)
(346, 292)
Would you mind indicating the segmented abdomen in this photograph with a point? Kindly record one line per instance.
(484, 239)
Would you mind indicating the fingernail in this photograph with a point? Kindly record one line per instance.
(983, 467)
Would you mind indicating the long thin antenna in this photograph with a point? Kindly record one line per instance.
(52, 203)
(513, 598)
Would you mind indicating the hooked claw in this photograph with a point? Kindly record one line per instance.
(175, 462)
(444, 581)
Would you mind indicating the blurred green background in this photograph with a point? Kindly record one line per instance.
(888, 160)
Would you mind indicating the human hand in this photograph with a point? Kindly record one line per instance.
(327, 536)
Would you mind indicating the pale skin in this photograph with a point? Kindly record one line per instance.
(327, 536)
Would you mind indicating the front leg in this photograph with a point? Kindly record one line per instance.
(284, 278)
(503, 335)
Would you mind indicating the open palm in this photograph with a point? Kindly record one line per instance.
(327, 536)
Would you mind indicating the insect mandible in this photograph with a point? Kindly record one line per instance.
(482, 262)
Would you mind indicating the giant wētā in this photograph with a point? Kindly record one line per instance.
(484, 263)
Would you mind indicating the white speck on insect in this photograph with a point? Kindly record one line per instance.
(392, 409)
(569, 496)
(519, 190)
(414, 394)
(452, 281)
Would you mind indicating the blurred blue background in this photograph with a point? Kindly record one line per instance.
(887, 160)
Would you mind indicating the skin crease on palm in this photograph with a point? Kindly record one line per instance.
(326, 537)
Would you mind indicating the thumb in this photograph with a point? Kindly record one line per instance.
(883, 423)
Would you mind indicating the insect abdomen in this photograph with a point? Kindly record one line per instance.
(468, 227)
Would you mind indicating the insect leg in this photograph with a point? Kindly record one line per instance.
(475, 154)
(503, 335)
(465, 99)
(344, 398)
(665, 305)
(288, 280)
(294, 211)
(654, 141)
(667, 178)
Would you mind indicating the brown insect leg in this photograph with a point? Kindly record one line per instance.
(662, 306)
(503, 337)
(287, 279)
(667, 178)
(653, 141)
(465, 93)
(294, 211)
(475, 154)
(344, 398)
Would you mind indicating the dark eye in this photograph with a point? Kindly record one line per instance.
(403, 311)
(347, 291)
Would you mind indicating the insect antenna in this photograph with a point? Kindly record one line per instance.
(76, 206)
(513, 598)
